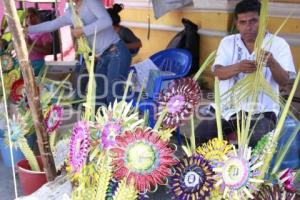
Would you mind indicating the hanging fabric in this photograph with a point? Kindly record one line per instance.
(162, 7)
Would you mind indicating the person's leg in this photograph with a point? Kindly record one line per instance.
(117, 70)
(207, 129)
(101, 80)
(79, 80)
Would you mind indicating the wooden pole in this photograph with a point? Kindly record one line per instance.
(31, 87)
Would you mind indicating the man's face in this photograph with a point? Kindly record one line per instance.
(247, 25)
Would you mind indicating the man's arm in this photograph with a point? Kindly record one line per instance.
(224, 73)
(278, 73)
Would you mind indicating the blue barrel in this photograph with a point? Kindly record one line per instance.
(17, 154)
(292, 158)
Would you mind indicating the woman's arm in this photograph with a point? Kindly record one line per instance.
(52, 25)
(103, 19)
(131, 40)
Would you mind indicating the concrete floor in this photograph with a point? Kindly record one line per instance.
(7, 191)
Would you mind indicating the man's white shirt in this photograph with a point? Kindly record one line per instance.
(232, 50)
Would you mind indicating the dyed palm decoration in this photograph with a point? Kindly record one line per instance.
(193, 179)
(105, 175)
(79, 144)
(23, 105)
(126, 191)
(10, 78)
(82, 43)
(53, 118)
(17, 91)
(214, 150)
(18, 129)
(263, 145)
(180, 98)
(7, 62)
(113, 121)
(274, 192)
(237, 174)
(60, 153)
(142, 158)
(286, 178)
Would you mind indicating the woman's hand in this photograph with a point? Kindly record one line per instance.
(77, 32)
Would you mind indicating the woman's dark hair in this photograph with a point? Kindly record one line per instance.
(247, 6)
(33, 11)
(114, 13)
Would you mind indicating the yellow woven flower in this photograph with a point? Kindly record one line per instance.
(214, 149)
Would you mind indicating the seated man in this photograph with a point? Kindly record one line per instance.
(235, 59)
(39, 44)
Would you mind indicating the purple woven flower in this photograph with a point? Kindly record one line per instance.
(53, 118)
(238, 174)
(180, 98)
(193, 179)
(79, 144)
(109, 133)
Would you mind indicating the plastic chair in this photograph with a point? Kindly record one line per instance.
(177, 61)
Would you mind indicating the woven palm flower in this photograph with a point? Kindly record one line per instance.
(274, 192)
(7, 62)
(237, 174)
(286, 178)
(10, 78)
(114, 120)
(17, 91)
(53, 118)
(180, 98)
(60, 153)
(79, 144)
(193, 179)
(143, 158)
(18, 127)
(214, 150)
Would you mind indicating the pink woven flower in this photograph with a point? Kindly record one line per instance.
(143, 158)
(109, 133)
(53, 118)
(79, 144)
(180, 98)
(286, 177)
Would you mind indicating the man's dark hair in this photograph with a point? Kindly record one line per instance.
(247, 6)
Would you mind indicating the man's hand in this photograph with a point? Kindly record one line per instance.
(246, 66)
(278, 73)
(268, 58)
(77, 32)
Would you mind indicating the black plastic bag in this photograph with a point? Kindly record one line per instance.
(188, 39)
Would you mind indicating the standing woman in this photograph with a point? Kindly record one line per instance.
(132, 42)
(112, 56)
